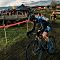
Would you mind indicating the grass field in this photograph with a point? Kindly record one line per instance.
(17, 41)
(13, 35)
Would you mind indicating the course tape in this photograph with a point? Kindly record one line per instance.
(7, 26)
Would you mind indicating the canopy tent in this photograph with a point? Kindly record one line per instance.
(22, 8)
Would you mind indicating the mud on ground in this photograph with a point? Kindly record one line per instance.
(17, 50)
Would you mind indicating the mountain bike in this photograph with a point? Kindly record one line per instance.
(36, 46)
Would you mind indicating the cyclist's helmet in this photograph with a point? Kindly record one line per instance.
(32, 17)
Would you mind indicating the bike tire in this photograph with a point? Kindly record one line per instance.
(52, 40)
(30, 55)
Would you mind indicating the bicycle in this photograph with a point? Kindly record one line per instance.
(36, 47)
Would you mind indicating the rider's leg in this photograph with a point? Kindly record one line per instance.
(45, 36)
(45, 33)
(49, 43)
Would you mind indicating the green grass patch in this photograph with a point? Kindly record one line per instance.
(14, 34)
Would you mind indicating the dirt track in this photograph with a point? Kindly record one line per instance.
(16, 51)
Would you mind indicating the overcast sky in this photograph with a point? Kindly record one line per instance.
(15, 2)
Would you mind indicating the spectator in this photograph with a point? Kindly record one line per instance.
(54, 16)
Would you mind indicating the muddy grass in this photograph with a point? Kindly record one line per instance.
(14, 52)
(17, 50)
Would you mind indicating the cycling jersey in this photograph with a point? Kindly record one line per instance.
(42, 21)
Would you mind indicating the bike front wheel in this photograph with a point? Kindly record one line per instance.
(33, 51)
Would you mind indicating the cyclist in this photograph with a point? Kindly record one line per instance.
(43, 21)
(46, 27)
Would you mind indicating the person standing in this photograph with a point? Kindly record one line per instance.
(54, 16)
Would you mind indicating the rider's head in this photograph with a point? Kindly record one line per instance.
(32, 17)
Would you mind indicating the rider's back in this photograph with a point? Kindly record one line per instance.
(42, 20)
